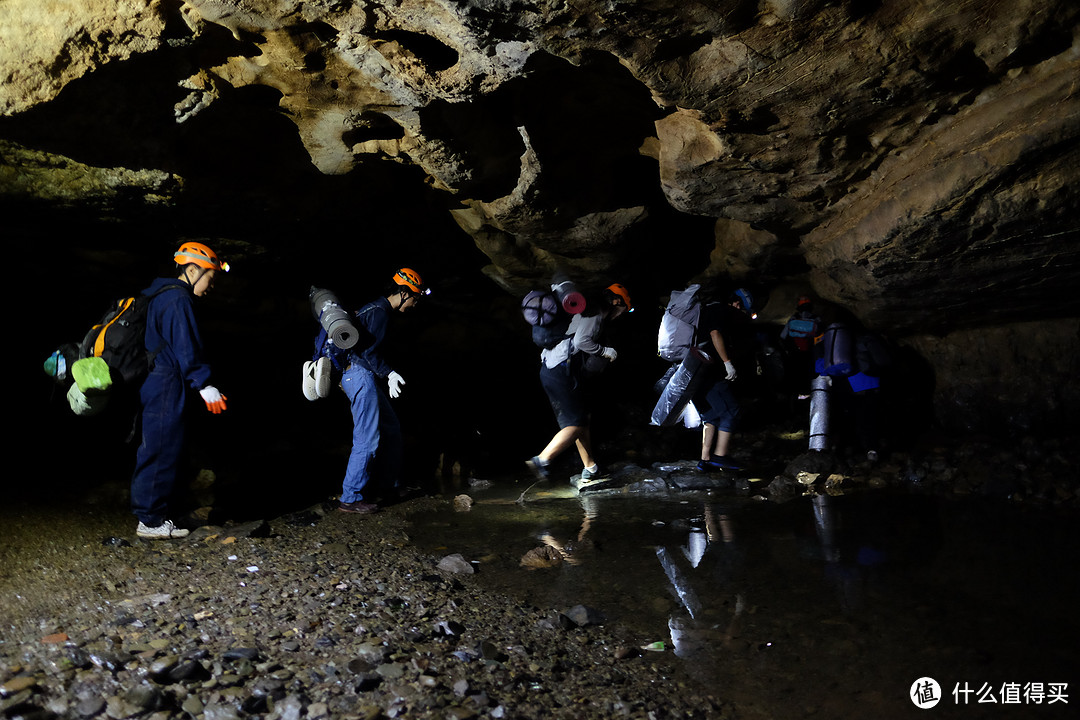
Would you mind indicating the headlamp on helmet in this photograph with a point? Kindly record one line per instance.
(623, 294)
(746, 301)
(410, 280)
(195, 253)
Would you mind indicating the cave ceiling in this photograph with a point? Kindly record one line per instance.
(915, 161)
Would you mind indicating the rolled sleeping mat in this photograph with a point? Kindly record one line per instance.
(838, 350)
(571, 299)
(684, 382)
(819, 412)
(334, 319)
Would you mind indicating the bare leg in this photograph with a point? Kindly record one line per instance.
(562, 440)
(708, 437)
(714, 442)
(723, 441)
(584, 447)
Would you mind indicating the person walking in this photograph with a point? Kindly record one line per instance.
(799, 335)
(567, 373)
(175, 346)
(375, 459)
(730, 344)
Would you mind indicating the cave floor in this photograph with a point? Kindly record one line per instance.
(710, 606)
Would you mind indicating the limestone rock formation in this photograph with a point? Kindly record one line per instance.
(916, 163)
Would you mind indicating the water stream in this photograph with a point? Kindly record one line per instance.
(830, 605)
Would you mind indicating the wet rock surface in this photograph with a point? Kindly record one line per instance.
(336, 617)
(1031, 471)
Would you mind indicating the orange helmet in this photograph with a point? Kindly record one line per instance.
(410, 280)
(198, 254)
(623, 294)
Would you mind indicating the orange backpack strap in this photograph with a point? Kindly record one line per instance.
(99, 342)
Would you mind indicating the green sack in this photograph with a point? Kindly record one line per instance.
(91, 375)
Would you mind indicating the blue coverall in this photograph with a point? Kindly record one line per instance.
(377, 444)
(171, 333)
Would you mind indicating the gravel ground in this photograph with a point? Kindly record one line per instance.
(318, 614)
(315, 614)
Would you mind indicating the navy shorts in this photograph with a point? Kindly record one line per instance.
(718, 406)
(567, 394)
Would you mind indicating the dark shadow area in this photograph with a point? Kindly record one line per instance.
(430, 52)
(586, 124)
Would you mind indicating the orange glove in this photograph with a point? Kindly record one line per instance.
(215, 401)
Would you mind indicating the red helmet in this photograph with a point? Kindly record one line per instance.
(410, 279)
(195, 253)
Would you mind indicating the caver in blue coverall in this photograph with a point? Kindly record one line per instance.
(172, 333)
(376, 430)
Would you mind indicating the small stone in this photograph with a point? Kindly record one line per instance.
(192, 705)
(221, 711)
(582, 616)
(391, 671)
(456, 564)
(17, 684)
(89, 707)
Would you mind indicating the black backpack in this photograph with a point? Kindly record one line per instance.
(120, 339)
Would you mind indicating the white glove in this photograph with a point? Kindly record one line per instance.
(215, 401)
(609, 354)
(396, 383)
(730, 367)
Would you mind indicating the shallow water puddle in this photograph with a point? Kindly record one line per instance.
(826, 604)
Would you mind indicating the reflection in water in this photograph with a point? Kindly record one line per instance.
(710, 549)
(865, 592)
(573, 551)
(713, 556)
(845, 579)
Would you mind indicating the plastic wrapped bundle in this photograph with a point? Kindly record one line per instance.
(680, 387)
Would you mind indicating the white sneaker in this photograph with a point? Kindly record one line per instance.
(163, 531)
(309, 381)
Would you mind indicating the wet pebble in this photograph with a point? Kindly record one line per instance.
(17, 685)
(89, 707)
(456, 564)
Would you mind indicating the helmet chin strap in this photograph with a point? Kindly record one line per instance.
(188, 280)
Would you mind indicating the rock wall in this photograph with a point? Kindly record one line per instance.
(916, 163)
(1014, 378)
